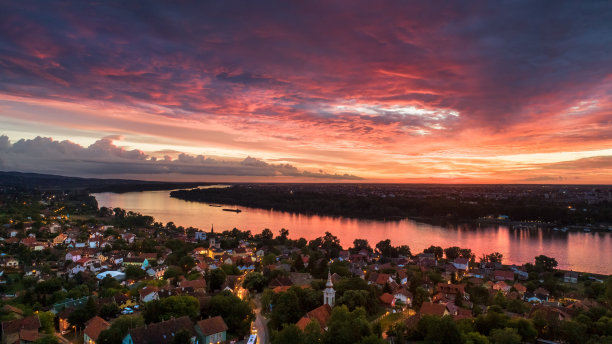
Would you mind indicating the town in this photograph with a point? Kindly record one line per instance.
(75, 273)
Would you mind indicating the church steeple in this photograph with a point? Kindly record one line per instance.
(329, 294)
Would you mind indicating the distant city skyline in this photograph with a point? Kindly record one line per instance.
(466, 92)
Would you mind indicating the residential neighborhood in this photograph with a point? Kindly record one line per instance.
(119, 277)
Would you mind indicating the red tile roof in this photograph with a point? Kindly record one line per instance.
(212, 325)
(94, 326)
(429, 308)
(387, 298)
(320, 314)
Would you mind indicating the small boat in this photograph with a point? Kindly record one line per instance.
(564, 229)
(215, 205)
(555, 229)
(587, 229)
(233, 210)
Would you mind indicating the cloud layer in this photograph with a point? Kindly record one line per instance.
(398, 90)
(104, 158)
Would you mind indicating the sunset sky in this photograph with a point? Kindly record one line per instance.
(313, 91)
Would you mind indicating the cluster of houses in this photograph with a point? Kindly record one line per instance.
(90, 251)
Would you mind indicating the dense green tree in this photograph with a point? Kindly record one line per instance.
(216, 278)
(313, 333)
(475, 338)
(441, 330)
(289, 334)
(525, 329)
(360, 244)
(171, 307)
(236, 313)
(346, 327)
(47, 322)
(286, 310)
(182, 337)
(254, 281)
(109, 310)
(505, 336)
(452, 253)
(134, 272)
(573, 332)
(544, 263)
(119, 329)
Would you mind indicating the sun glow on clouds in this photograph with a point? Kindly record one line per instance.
(388, 92)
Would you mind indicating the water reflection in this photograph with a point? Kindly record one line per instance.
(573, 250)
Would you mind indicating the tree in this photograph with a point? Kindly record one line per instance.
(436, 250)
(421, 295)
(236, 313)
(573, 332)
(289, 334)
(385, 249)
(286, 310)
(47, 322)
(312, 333)
(346, 327)
(119, 329)
(216, 279)
(134, 272)
(452, 253)
(182, 337)
(283, 234)
(476, 338)
(109, 310)
(171, 307)
(505, 336)
(524, 328)
(254, 281)
(187, 263)
(441, 330)
(361, 244)
(544, 263)
(495, 257)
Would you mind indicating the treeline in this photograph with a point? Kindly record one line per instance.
(378, 207)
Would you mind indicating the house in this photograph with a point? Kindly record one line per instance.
(211, 330)
(93, 327)
(60, 239)
(429, 308)
(503, 275)
(140, 262)
(29, 336)
(198, 285)
(157, 272)
(451, 291)
(320, 314)
(128, 237)
(148, 294)
(12, 329)
(9, 262)
(200, 235)
(16, 312)
(502, 286)
(388, 300)
(404, 296)
(161, 332)
(461, 264)
(570, 277)
(74, 255)
(520, 289)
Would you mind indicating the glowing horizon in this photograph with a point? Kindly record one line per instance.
(273, 91)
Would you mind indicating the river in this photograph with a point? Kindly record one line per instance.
(591, 252)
